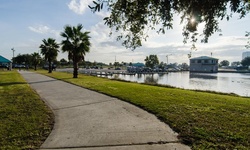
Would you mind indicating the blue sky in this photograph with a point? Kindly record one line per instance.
(25, 23)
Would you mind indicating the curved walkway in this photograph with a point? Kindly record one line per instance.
(89, 120)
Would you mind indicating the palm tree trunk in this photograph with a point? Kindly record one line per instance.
(50, 68)
(75, 73)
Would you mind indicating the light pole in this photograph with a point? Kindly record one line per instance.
(13, 52)
(167, 60)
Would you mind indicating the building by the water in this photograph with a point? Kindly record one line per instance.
(245, 54)
(204, 64)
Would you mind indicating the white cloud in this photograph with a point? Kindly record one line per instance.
(105, 48)
(103, 14)
(43, 29)
(224, 48)
(40, 29)
(100, 36)
(79, 6)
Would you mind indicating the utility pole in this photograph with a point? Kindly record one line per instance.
(167, 58)
(115, 62)
(13, 52)
(167, 61)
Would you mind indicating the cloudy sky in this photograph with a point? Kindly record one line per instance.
(25, 23)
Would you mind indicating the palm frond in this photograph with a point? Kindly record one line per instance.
(76, 43)
(49, 49)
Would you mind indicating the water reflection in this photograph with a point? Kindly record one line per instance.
(202, 76)
(139, 76)
(116, 76)
(221, 82)
(151, 80)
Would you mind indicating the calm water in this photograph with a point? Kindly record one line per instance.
(222, 82)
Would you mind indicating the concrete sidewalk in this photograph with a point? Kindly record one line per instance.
(89, 120)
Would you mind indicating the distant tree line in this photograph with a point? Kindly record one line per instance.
(245, 63)
(34, 61)
(152, 62)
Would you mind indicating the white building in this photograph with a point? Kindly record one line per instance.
(204, 64)
(245, 54)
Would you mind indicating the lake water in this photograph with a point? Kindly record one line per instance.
(238, 83)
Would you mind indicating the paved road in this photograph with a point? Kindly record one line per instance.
(89, 120)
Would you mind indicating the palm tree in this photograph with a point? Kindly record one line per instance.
(49, 49)
(36, 58)
(76, 43)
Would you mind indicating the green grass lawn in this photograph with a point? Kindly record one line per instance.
(203, 120)
(25, 121)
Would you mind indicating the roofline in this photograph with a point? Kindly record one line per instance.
(203, 57)
(5, 59)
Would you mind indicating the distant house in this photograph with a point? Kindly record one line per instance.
(204, 64)
(136, 67)
(138, 64)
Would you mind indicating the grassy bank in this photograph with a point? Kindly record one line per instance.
(203, 120)
(25, 121)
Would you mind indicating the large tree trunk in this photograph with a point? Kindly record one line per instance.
(75, 73)
(50, 67)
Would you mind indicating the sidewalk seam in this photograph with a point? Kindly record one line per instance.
(82, 105)
(115, 145)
